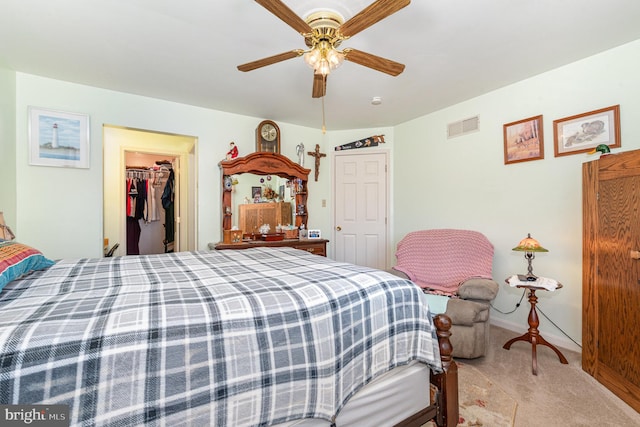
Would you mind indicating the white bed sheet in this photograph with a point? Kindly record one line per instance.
(385, 401)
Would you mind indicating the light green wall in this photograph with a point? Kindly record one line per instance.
(464, 183)
(8, 146)
(57, 205)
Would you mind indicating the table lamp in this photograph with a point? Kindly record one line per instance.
(5, 231)
(529, 246)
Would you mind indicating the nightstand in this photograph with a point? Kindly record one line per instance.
(532, 335)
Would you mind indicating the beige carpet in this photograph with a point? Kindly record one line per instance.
(559, 396)
(482, 403)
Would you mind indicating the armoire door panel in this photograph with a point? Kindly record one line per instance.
(611, 274)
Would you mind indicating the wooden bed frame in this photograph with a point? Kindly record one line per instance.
(444, 410)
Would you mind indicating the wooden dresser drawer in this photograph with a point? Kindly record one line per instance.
(316, 248)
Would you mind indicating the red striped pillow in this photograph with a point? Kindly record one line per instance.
(17, 259)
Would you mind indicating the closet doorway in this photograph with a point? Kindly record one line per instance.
(142, 149)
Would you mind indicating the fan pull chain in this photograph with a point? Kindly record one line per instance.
(324, 128)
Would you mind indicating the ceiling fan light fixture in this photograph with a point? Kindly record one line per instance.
(323, 32)
(323, 67)
(313, 58)
(323, 57)
(335, 58)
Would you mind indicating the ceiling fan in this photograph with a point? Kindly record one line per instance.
(323, 32)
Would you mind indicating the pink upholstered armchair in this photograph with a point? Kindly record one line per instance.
(457, 266)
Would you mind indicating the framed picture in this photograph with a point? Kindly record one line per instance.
(313, 234)
(523, 140)
(58, 138)
(584, 132)
(256, 193)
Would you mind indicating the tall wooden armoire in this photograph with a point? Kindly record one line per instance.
(611, 273)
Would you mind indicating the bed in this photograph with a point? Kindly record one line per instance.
(263, 336)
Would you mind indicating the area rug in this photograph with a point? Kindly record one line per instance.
(482, 403)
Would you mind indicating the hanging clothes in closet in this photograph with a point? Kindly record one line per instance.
(136, 200)
(168, 205)
(153, 207)
(143, 205)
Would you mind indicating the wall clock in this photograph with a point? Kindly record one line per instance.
(268, 137)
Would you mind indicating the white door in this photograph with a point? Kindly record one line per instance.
(361, 208)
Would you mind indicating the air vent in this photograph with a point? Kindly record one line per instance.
(463, 127)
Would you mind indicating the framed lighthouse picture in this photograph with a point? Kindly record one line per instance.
(58, 138)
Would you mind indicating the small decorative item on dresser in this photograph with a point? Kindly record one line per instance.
(272, 237)
(290, 233)
(264, 229)
(268, 137)
(314, 234)
(232, 236)
(300, 153)
(256, 194)
(228, 184)
(233, 151)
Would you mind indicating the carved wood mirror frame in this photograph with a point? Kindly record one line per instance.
(265, 164)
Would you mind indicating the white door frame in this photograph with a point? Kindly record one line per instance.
(387, 228)
(117, 141)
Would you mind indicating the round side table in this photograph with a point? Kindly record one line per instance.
(533, 335)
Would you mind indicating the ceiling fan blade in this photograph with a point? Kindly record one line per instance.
(373, 13)
(319, 86)
(270, 60)
(372, 61)
(281, 10)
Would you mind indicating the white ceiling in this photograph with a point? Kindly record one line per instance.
(187, 51)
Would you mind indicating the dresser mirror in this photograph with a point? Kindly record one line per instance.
(263, 188)
(261, 199)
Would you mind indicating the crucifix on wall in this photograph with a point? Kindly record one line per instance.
(317, 154)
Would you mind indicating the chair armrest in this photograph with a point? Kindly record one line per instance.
(397, 273)
(478, 289)
(463, 312)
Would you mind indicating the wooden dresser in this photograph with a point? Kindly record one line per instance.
(314, 246)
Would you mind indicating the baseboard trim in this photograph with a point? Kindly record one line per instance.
(557, 340)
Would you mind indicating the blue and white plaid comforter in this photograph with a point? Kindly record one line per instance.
(225, 338)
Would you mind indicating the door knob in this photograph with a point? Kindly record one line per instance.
(635, 254)
(339, 228)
